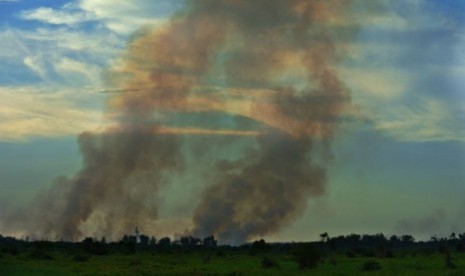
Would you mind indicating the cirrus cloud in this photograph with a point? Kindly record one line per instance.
(29, 112)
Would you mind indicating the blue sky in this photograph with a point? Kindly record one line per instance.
(399, 161)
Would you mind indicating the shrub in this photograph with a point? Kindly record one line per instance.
(332, 261)
(221, 253)
(207, 259)
(389, 254)
(81, 258)
(136, 262)
(448, 261)
(460, 247)
(350, 254)
(43, 245)
(37, 254)
(12, 250)
(269, 263)
(371, 265)
(307, 256)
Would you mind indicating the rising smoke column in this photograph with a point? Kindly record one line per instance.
(250, 46)
(124, 165)
(272, 61)
(269, 188)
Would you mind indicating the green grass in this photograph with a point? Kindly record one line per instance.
(212, 263)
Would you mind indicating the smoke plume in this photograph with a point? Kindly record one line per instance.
(272, 61)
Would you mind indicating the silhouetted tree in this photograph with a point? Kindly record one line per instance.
(394, 240)
(189, 241)
(209, 241)
(164, 242)
(153, 241)
(144, 240)
(94, 247)
(259, 246)
(324, 237)
(129, 244)
(407, 239)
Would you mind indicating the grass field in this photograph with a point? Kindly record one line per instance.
(220, 262)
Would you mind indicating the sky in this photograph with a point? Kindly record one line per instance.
(396, 159)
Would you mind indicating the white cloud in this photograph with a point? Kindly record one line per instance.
(36, 65)
(124, 16)
(58, 55)
(69, 62)
(74, 56)
(57, 17)
(381, 84)
(13, 47)
(73, 69)
(121, 16)
(28, 112)
(399, 60)
(428, 120)
(95, 42)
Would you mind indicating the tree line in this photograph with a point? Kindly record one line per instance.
(341, 242)
(307, 254)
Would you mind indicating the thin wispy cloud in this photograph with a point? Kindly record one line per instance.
(427, 120)
(58, 17)
(121, 18)
(30, 113)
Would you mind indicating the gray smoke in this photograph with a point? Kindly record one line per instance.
(271, 61)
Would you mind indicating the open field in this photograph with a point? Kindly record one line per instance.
(221, 261)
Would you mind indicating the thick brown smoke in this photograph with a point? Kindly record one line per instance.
(272, 61)
(115, 190)
(269, 188)
(262, 193)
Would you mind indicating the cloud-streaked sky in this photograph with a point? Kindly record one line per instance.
(398, 160)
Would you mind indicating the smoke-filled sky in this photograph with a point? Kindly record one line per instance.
(275, 119)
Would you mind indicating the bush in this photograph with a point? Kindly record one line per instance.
(448, 261)
(207, 259)
(12, 250)
(81, 258)
(221, 253)
(269, 263)
(307, 256)
(37, 254)
(136, 262)
(350, 254)
(389, 254)
(44, 246)
(371, 266)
